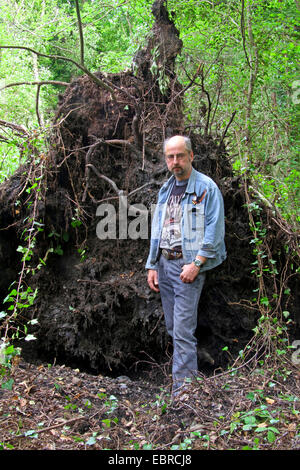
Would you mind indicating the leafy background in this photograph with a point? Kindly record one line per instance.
(248, 51)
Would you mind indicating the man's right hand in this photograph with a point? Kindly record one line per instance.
(153, 280)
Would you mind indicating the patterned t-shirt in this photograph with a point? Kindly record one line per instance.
(171, 233)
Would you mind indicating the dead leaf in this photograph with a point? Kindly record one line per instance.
(292, 427)
(270, 401)
(262, 425)
(197, 427)
(23, 402)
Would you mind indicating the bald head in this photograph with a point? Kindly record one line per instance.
(179, 139)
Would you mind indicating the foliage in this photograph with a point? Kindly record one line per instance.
(21, 296)
(112, 35)
(248, 51)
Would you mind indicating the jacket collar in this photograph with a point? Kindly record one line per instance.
(192, 182)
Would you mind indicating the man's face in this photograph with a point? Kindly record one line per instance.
(178, 159)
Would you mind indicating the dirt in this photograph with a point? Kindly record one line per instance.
(52, 407)
(93, 307)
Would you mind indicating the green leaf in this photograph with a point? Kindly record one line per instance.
(91, 441)
(271, 436)
(8, 385)
(31, 433)
(250, 420)
(30, 338)
(147, 446)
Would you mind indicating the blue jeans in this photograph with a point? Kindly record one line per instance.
(180, 305)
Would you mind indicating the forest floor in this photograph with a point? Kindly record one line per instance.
(54, 407)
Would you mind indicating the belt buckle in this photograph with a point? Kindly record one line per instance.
(168, 255)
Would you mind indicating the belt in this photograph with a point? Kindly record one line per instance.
(171, 254)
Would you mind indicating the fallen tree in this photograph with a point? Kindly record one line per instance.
(88, 300)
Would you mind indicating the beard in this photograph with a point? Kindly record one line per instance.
(178, 171)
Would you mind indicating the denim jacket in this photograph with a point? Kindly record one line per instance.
(202, 222)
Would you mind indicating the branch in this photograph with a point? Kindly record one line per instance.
(243, 32)
(3, 139)
(227, 127)
(87, 160)
(95, 79)
(209, 103)
(111, 182)
(80, 33)
(253, 73)
(40, 121)
(14, 127)
(121, 142)
(120, 192)
(40, 83)
(192, 82)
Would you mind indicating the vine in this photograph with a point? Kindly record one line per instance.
(270, 342)
(21, 296)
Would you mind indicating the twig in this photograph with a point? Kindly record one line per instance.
(121, 142)
(9, 226)
(209, 103)
(39, 431)
(80, 33)
(37, 105)
(95, 79)
(55, 426)
(36, 82)
(90, 151)
(14, 127)
(227, 127)
(111, 182)
(243, 32)
(152, 331)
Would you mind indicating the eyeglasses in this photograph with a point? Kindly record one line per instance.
(178, 156)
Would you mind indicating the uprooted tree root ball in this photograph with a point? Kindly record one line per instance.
(92, 304)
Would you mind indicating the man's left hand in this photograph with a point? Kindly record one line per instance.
(189, 273)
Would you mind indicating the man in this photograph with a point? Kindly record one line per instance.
(187, 239)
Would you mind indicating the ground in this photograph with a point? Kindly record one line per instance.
(54, 407)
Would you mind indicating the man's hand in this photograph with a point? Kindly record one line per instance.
(153, 280)
(189, 273)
